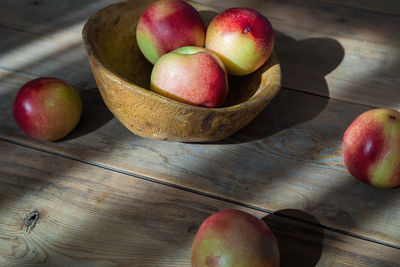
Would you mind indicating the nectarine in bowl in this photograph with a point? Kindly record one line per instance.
(122, 75)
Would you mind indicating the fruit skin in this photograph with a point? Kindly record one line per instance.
(371, 147)
(167, 25)
(242, 37)
(193, 75)
(47, 108)
(234, 238)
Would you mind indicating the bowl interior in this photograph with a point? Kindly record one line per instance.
(118, 48)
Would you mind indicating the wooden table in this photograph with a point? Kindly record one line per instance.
(104, 196)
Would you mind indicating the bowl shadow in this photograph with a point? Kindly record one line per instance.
(304, 65)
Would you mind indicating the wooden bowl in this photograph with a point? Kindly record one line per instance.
(123, 76)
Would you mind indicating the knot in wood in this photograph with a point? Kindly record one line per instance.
(31, 219)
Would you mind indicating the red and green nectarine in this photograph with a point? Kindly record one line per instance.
(242, 37)
(371, 147)
(167, 25)
(234, 238)
(192, 75)
(47, 108)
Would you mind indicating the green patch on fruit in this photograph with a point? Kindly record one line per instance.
(69, 94)
(162, 10)
(232, 67)
(241, 58)
(146, 45)
(383, 171)
(210, 252)
(189, 50)
(49, 104)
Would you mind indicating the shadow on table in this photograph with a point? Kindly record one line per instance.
(304, 65)
(94, 114)
(298, 246)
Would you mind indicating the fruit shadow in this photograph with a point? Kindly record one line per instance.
(94, 114)
(299, 244)
(304, 63)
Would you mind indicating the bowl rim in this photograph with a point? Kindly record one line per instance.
(93, 52)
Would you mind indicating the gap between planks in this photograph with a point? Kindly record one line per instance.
(327, 97)
(201, 193)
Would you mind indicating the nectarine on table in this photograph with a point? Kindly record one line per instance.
(47, 108)
(233, 238)
(371, 147)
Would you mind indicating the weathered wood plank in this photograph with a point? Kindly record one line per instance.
(330, 50)
(287, 158)
(45, 56)
(391, 7)
(58, 19)
(89, 216)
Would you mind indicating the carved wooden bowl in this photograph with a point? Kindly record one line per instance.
(123, 77)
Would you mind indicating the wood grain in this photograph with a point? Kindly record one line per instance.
(389, 7)
(289, 157)
(331, 50)
(89, 216)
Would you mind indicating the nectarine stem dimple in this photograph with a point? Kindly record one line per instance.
(392, 117)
